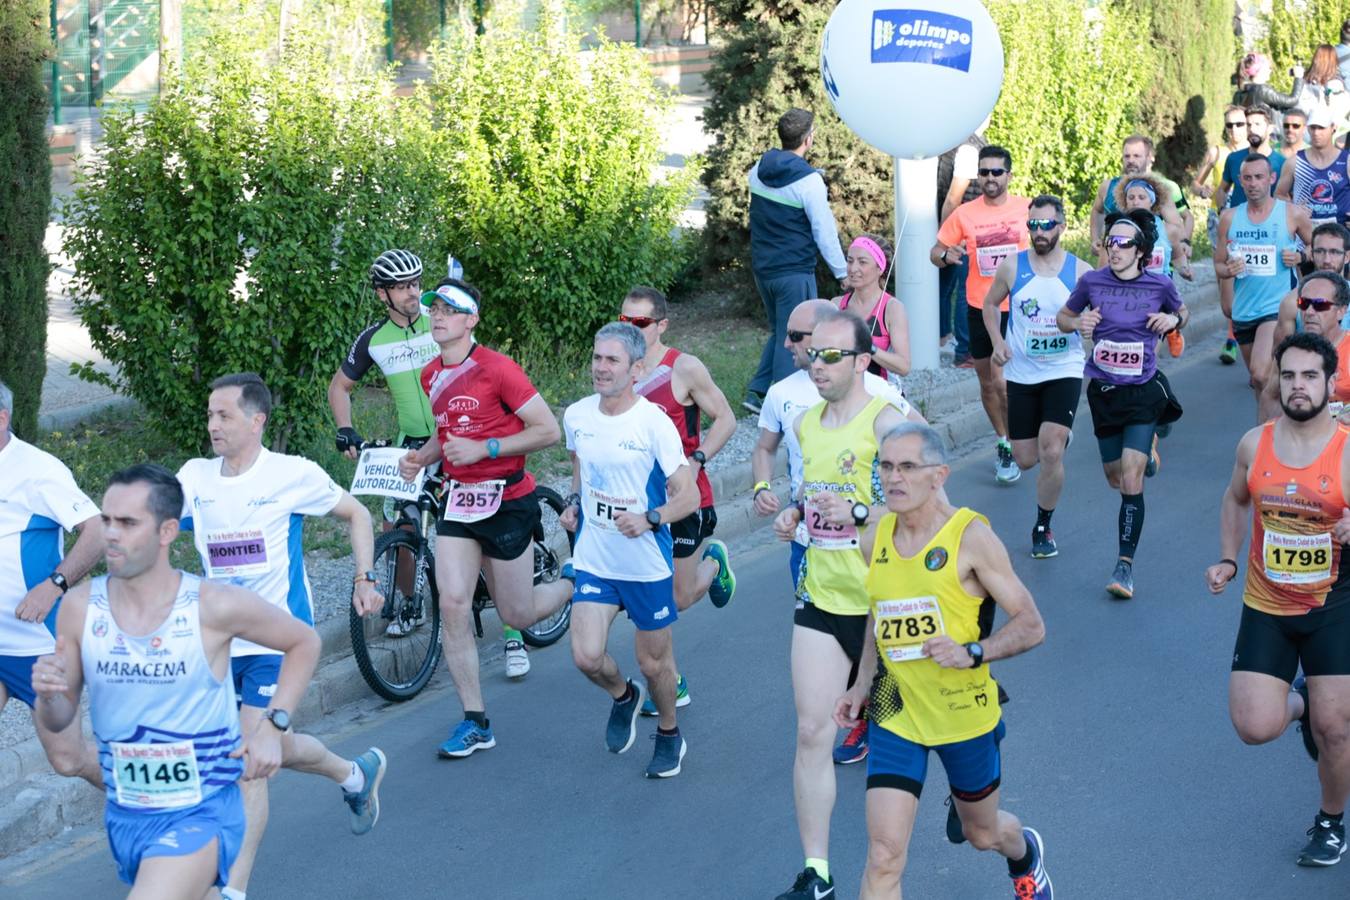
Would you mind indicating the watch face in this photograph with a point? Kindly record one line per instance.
(653, 518)
(281, 719)
(860, 511)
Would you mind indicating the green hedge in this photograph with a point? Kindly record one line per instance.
(25, 194)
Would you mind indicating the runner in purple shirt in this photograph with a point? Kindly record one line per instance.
(1124, 310)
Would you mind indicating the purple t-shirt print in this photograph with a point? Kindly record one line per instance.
(1123, 346)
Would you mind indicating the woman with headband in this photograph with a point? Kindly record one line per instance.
(1124, 309)
(868, 261)
(1142, 192)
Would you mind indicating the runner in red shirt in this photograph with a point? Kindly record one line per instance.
(488, 417)
(682, 386)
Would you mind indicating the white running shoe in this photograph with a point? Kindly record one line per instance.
(399, 628)
(517, 660)
(1007, 471)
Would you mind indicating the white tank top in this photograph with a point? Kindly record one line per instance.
(1040, 351)
(164, 724)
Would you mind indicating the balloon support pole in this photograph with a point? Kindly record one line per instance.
(916, 278)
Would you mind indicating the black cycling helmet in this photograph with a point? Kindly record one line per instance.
(395, 267)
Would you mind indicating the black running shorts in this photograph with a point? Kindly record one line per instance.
(1277, 645)
(849, 631)
(691, 531)
(1032, 405)
(981, 344)
(506, 534)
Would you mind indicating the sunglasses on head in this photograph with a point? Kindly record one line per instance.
(1315, 304)
(1119, 240)
(829, 355)
(997, 172)
(638, 321)
(1042, 224)
(796, 337)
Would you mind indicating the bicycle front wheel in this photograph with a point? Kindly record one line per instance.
(397, 649)
(548, 567)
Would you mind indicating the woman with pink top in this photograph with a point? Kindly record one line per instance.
(868, 261)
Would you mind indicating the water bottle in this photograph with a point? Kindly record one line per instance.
(453, 267)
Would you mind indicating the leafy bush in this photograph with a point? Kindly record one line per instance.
(25, 194)
(230, 227)
(549, 189)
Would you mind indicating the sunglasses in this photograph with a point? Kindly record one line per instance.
(1124, 243)
(1234, 124)
(1293, 126)
(1315, 304)
(996, 173)
(829, 355)
(1042, 224)
(796, 337)
(638, 321)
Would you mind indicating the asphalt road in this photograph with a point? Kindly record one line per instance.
(1119, 747)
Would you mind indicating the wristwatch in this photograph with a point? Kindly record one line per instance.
(573, 499)
(367, 575)
(279, 718)
(699, 457)
(494, 447)
(860, 513)
(59, 580)
(653, 519)
(976, 653)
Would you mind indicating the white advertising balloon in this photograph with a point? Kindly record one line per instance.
(913, 78)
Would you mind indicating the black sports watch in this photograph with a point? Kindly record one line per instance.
(860, 513)
(653, 519)
(976, 653)
(573, 499)
(280, 719)
(699, 457)
(59, 580)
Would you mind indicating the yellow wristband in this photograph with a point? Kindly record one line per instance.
(762, 486)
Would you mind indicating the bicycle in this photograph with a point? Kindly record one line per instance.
(397, 650)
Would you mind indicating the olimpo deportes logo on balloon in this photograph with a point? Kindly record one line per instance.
(921, 36)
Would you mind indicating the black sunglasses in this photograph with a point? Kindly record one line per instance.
(996, 173)
(1234, 124)
(796, 337)
(1315, 304)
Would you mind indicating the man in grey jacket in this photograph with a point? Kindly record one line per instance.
(790, 220)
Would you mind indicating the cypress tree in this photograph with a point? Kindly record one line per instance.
(25, 196)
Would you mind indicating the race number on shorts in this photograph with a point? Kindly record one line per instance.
(1119, 357)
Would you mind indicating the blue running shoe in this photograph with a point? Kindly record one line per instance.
(622, 728)
(365, 803)
(723, 587)
(467, 738)
(854, 747)
(667, 756)
(1035, 884)
(681, 698)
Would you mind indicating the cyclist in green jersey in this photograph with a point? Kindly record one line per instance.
(401, 345)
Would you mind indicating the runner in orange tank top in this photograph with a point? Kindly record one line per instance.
(1319, 302)
(1296, 603)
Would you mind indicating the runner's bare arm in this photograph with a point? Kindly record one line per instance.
(848, 708)
(365, 596)
(708, 397)
(1223, 266)
(1098, 217)
(568, 519)
(37, 603)
(987, 571)
(1286, 323)
(340, 399)
(58, 677)
(999, 290)
(1285, 186)
(1234, 514)
(762, 460)
(1201, 185)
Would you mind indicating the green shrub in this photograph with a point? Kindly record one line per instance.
(24, 198)
(549, 183)
(230, 227)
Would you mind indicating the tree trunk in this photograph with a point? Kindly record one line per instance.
(170, 38)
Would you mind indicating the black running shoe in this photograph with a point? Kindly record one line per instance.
(809, 886)
(1326, 843)
(955, 833)
(1305, 720)
(1043, 543)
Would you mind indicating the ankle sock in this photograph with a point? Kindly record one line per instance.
(822, 867)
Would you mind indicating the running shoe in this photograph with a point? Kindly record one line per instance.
(723, 587)
(666, 756)
(1035, 884)
(809, 886)
(1154, 460)
(1006, 472)
(1300, 687)
(1229, 354)
(622, 728)
(955, 833)
(467, 738)
(402, 628)
(681, 698)
(1326, 843)
(753, 401)
(365, 803)
(1175, 343)
(517, 660)
(1121, 584)
(1043, 543)
(854, 747)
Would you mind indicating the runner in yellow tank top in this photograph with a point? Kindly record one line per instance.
(931, 569)
(839, 440)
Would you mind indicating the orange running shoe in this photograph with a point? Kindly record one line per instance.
(1175, 343)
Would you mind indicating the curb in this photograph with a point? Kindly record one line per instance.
(36, 804)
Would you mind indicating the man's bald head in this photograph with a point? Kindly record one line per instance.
(807, 314)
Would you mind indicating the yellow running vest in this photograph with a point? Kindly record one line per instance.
(914, 599)
(841, 460)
